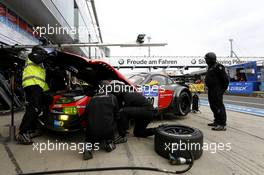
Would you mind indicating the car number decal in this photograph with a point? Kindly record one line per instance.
(152, 94)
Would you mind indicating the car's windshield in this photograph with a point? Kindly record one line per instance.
(137, 79)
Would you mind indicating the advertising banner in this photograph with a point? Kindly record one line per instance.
(173, 61)
(12, 20)
(29, 29)
(2, 13)
(22, 24)
(11, 16)
(241, 87)
(14, 28)
(2, 10)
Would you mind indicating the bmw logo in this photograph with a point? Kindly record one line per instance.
(193, 61)
(121, 61)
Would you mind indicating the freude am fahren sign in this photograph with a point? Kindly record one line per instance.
(174, 61)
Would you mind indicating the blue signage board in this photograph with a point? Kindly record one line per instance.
(241, 87)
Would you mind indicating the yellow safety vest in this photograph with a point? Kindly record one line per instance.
(34, 74)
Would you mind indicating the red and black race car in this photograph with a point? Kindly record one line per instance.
(67, 110)
(164, 93)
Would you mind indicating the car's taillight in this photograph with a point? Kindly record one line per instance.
(70, 110)
(65, 100)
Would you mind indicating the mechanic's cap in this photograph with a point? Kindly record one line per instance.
(210, 56)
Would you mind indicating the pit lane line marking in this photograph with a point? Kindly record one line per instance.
(241, 102)
(235, 96)
(11, 156)
(237, 108)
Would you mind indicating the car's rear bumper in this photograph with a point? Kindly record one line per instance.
(72, 124)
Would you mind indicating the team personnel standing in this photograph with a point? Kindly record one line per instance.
(34, 84)
(217, 82)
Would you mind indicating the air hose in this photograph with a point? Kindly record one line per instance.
(190, 164)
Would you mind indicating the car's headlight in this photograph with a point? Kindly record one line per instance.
(63, 117)
(70, 110)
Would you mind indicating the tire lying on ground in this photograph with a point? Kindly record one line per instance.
(178, 139)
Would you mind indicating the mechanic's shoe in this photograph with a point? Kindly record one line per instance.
(109, 145)
(24, 139)
(120, 139)
(34, 133)
(219, 128)
(212, 124)
(87, 155)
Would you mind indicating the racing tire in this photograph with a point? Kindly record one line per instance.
(175, 137)
(184, 104)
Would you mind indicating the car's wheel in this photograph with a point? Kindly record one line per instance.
(184, 103)
(180, 139)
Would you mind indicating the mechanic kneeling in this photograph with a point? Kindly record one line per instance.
(101, 118)
(137, 107)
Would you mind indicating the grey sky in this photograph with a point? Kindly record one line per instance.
(190, 27)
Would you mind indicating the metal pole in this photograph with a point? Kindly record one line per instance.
(149, 38)
(89, 37)
(12, 92)
(12, 127)
(231, 48)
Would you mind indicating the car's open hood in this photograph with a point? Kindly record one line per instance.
(90, 71)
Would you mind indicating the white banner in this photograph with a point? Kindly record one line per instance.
(173, 61)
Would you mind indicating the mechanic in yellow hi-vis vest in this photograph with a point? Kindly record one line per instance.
(34, 84)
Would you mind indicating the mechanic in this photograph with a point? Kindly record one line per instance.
(217, 82)
(101, 115)
(135, 106)
(34, 84)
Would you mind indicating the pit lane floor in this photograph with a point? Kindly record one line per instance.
(245, 133)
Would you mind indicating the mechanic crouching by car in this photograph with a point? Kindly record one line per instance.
(101, 115)
(34, 84)
(135, 106)
(217, 82)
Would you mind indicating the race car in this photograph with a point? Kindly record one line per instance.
(164, 93)
(67, 111)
